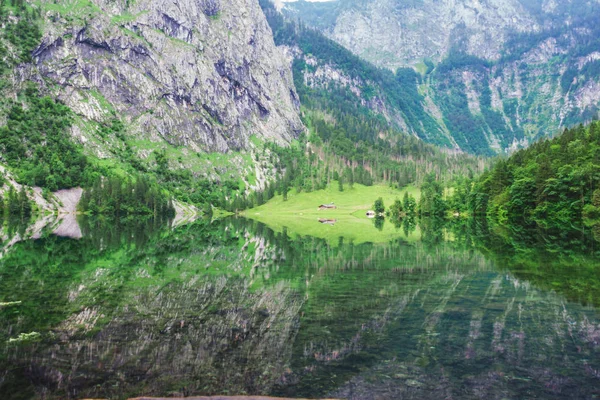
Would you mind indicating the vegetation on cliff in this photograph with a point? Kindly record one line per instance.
(36, 144)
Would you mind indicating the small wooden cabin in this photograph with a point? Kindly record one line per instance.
(329, 206)
(327, 221)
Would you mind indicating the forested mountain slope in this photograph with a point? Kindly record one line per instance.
(495, 76)
(360, 115)
(395, 33)
(329, 77)
(158, 88)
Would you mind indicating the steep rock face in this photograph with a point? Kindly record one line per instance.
(393, 33)
(200, 73)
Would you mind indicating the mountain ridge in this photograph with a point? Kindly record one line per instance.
(541, 80)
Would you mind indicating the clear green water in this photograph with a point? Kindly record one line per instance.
(231, 307)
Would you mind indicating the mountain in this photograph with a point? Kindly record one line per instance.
(361, 116)
(187, 92)
(330, 78)
(182, 91)
(395, 33)
(204, 74)
(494, 75)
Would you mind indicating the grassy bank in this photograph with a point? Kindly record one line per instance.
(300, 214)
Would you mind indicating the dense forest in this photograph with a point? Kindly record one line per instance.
(15, 204)
(20, 35)
(129, 196)
(552, 182)
(36, 144)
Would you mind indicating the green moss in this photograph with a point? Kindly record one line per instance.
(102, 102)
(71, 10)
(256, 141)
(251, 179)
(126, 17)
(133, 34)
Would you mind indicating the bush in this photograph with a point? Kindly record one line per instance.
(378, 206)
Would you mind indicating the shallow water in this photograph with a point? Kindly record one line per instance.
(231, 307)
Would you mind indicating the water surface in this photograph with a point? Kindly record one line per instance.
(231, 307)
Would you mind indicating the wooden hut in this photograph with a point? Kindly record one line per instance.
(327, 221)
(329, 206)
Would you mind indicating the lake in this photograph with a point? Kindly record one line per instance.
(444, 310)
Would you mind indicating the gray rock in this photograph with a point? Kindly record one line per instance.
(394, 33)
(199, 73)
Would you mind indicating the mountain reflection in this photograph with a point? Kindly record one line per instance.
(231, 307)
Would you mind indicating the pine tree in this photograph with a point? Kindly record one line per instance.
(13, 203)
(396, 210)
(285, 189)
(349, 177)
(378, 206)
(24, 203)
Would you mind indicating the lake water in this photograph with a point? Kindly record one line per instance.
(232, 307)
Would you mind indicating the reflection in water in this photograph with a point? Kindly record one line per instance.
(234, 308)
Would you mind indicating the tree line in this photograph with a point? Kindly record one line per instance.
(555, 183)
(552, 182)
(126, 196)
(15, 203)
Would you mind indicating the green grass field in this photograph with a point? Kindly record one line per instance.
(300, 214)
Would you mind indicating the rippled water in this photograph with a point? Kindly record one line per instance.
(231, 307)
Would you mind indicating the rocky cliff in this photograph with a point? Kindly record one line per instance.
(204, 74)
(493, 75)
(394, 33)
(532, 92)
